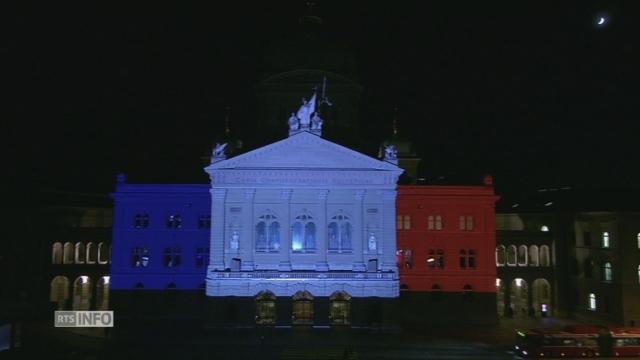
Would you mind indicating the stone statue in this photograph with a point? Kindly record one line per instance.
(235, 240)
(218, 150)
(305, 111)
(372, 243)
(316, 121)
(294, 122)
(390, 152)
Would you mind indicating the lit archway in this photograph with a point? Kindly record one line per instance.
(59, 292)
(523, 256)
(500, 296)
(512, 255)
(541, 296)
(103, 253)
(92, 253)
(67, 255)
(533, 256)
(79, 253)
(500, 255)
(544, 256)
(82, 293)
(56, 253)
(519, 297)
(102, 293)
(340, 308)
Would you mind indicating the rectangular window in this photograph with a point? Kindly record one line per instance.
(430, 223)
(407, 222)
(399, 222)
(438, 222)
(470, 224)
(605, 239)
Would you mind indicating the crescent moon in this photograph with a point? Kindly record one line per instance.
(601, 21)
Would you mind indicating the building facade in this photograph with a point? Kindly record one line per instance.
(446, 242)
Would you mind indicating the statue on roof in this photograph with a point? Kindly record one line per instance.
(294, 122)
(390, 152)
(218, 152)
(305, 111)
(316, 121)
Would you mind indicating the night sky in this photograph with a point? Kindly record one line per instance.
(535, 94)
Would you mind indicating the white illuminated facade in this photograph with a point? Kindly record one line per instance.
(303, 214)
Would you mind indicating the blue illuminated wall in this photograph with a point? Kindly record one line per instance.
(160, 236)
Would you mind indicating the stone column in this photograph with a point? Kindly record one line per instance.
(358, 241)
(248, 231)
(285, 232)
(216, 243)
(321, 239)
(388, 241)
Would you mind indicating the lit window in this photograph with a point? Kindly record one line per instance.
(172, 257)
(56, 253)
(303, 234)
(498, 283)
(465, 223)
(265, 308)
(544, 228)
(523, 256)
(268, 233)
(605, 239)
(512, 255)
(407, 222)
(500, 255)
(607, 272)
(139, 257)
(544, 256)
(462, 223)
(399, 222)
(431, 225)
(592, 302)
(438, 222)
(80, 253)
(340, 234)
(638, 240)
(174, 221)
(67, 254)
(435, 259)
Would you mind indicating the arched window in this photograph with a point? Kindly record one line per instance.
(80, 253)
(588, 268)
(512, 255)
(56, 253)
(67, 255)
(172, 257)
(265, 308)
(92, 253)
(544, 256)
(533, 256)
(102, 293)
(607, 272)
(592, 302)
(605, 239)
(103, 253)
(340, 234)
(500, 255)
(340, 308)
(302, 308)
(523, 256)
(268, 233)
(82, 293)
(59, 292)
(303, 234)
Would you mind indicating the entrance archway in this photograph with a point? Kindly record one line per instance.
(82, 293)
(541, 296)
(265, 308)
(519, 297)
(59, 292)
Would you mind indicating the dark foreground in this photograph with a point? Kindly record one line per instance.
(143, 340)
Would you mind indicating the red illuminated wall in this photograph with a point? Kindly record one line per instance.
(448, 202)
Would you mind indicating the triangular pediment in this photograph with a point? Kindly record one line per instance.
(304, 150)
